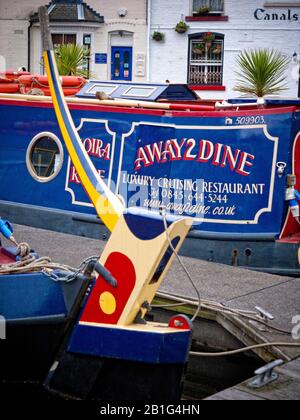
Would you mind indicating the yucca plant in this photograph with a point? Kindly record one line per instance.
(71, 60)
(261, 72)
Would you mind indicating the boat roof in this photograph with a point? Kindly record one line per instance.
(138, 91)
(268, 101)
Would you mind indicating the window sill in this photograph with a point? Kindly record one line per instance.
(207, 87)
(207, 18)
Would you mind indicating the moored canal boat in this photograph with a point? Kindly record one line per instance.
(226, 165)
(100, 330)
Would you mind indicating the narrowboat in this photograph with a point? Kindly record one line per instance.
(233, 167)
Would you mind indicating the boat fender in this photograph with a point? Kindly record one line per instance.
(9, 87)
(7, 231)
(6, 228)
(293, 197)
(4, 80)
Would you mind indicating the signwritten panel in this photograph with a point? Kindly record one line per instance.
(222, 172)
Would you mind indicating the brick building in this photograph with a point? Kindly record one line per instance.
(236, 25)
(114, 31)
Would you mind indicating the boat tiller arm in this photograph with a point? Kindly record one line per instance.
(107, 205)
(106, 275)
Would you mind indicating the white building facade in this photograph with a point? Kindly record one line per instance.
(217, 32)
(114, 31)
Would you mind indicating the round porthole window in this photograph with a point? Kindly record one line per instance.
(45, 157)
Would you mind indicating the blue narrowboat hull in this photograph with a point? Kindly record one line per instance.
(225, 169)
(39, 314)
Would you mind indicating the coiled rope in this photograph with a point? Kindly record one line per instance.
(30, 263)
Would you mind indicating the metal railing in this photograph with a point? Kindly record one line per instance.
(206, 63)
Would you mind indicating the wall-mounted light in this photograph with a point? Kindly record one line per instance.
(296, 58)
(122, 13)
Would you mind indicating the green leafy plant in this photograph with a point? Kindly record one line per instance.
(199, 48)
(158, 36)
(261, 72)
(71, 60)
(208, 37)
(181, 27)
(204, 10)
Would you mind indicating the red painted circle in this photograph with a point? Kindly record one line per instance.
(122, 269)
(180, 322)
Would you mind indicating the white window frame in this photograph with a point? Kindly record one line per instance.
(212, 12)
(127, 92)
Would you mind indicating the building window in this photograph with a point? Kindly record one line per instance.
(206, 59)
(212, 6)
(61, 39)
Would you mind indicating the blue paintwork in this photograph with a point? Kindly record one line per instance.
(139, 346)
(6, 228)
(145, 227)
(118, 89)
(123, 69)
(277, 102)
(30, 296)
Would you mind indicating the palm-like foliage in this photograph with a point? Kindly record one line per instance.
(261, 72)
(71, 60)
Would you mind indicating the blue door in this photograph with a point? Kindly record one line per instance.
(121, 65)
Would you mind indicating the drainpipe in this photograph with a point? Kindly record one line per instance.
(29, 45)
(148, 39)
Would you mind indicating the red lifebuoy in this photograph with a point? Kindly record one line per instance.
(4, 80)
(41, 82)
(9, 87)
(46, 91)
(13, 75)
(73, 81)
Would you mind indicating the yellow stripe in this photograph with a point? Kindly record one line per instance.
(104, 208)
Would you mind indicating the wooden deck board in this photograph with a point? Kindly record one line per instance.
(286, 388)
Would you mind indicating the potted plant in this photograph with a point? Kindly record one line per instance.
(158, 36)
(199, 48)
(181, 27)
(203, 11)
(208, 38)
(71, 60)
(217, 49)
(261, 72)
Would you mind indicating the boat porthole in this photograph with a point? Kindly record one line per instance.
(45, 157)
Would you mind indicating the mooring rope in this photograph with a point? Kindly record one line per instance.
(30, 263)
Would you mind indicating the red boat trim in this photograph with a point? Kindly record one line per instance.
(208, 88)
(208, 18)
(290, 224)
(187, 113)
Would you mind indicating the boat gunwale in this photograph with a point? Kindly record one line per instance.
(38, 103)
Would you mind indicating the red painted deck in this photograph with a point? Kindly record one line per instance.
(6, 257)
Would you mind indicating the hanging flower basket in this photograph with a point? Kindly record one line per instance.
(158, 36)
(181, 27)
(208, 37)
